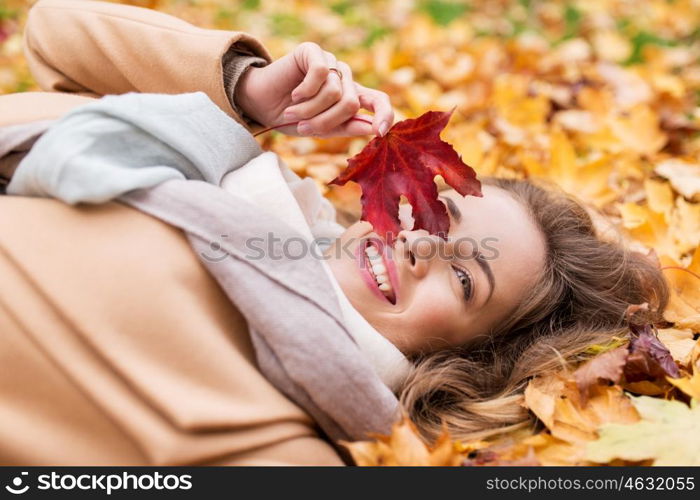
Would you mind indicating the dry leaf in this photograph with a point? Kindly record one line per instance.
(684, 303)
(608, 366)
(679, 342)
(555, 399)
(668, 433)
(683, 175)
(404, 446)
(648, 358)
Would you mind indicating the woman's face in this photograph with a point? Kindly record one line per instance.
(437, 293)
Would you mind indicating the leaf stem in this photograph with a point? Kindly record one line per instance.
(294, 123)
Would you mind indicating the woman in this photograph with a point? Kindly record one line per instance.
(544, 286)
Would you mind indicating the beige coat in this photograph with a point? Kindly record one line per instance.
(116, 346)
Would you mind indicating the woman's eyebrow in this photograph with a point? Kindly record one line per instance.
(453, 208)
(486, 268)
(483, 264)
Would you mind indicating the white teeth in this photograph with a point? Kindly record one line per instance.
(378, 269)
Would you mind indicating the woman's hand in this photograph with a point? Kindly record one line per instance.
(299, 87)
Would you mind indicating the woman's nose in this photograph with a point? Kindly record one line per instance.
(421, 250)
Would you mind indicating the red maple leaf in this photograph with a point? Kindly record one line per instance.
(405, 162)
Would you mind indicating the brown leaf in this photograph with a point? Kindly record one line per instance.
(608, 366)
(648, 358)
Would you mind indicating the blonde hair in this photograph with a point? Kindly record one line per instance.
(580, 299)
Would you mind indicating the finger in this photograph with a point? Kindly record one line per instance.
(342, 111)
(380, 104)
(339, 112)
(331, 92)
(360, 124)
(311, 60)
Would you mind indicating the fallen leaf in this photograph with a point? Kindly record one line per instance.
(556, 401)
(685, 225)
(648, 358)
(659, 196)
(639, 130)
(656, 387)
(683, 175)
(679, 342)
(649, 228)
(689, 385)
(608, 366)
(403, 447)
(550, 450)
(684, 303)
(668, 433)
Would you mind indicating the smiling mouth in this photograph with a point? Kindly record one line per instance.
(378, 269)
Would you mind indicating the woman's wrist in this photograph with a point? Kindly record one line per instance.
(235, 63)
(242, 95)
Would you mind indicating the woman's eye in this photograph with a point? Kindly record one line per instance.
(465, 281)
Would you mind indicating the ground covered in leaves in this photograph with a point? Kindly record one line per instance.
(601, 97)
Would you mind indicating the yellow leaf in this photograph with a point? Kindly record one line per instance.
(689, 385)
(684, 302)
(690, 322)
(649, 228)
(685, 225)
(515, 106)
(555, 399)
(639, 130)
(684, 176)
(589, 181)
(563, 161)
(552, 451)
(405, 447)
(611, 46)
(408, 447)
(659, 196)
(679, 342)
(668, 433)
(371, 454)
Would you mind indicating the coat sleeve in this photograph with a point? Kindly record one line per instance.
(118, 348)
(95, 48)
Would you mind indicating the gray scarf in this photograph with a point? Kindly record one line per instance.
(102, 150)
(301, 343)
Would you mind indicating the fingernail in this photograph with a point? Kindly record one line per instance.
(295, 96)
(290, 116)
(383, 127)
(304, 129)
